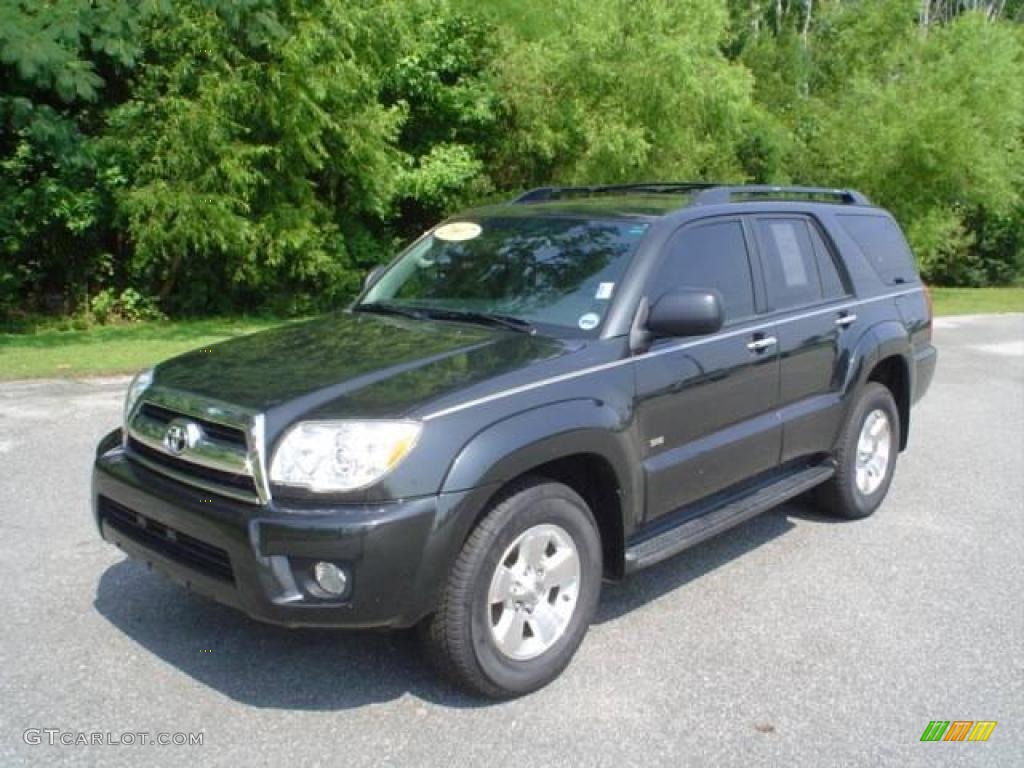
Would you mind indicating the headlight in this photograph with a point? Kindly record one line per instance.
(139, 385)
(341, 455)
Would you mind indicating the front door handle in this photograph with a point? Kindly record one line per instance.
(759, 345)
(845, 319)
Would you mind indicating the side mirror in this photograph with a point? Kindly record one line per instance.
(686, 312)
(374, 273)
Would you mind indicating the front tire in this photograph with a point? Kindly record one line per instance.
(865, 456)
(521, 594)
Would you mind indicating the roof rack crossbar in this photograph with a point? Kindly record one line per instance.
(724, 194)
(705, 193)
(541, 194)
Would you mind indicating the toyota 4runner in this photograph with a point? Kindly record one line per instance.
(531, 398)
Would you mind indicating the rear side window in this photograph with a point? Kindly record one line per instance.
(712, 255)
(832, 283)
(790, 262)
(883, 245)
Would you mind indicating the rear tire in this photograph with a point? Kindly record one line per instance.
(521, 594)
(865, 456)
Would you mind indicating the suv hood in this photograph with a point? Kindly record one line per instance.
(352, 365)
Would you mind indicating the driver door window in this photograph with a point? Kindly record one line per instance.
(711, 255)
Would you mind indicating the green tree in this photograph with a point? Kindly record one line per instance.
(620, 91)
(927, 119)
(62, 63)
(451, 134)
(258, 152)
(224, 155)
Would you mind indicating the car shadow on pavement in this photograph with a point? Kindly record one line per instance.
(312, 669)
(619, 598)
(264, 665)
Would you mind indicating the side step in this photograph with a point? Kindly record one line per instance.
(675, 540)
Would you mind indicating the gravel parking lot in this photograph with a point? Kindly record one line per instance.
(792, 640)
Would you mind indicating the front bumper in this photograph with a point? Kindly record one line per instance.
(260, 559)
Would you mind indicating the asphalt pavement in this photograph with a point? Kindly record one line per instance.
(792, 640)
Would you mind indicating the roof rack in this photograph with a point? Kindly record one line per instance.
(706, 193)
(725, 194)
(544, 194)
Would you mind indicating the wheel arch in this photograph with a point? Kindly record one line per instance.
(893, 372)
(884, 355)
(580, 443)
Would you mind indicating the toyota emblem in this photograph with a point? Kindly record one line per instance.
(181, 435)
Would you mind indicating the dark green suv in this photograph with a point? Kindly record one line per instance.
(531, 398)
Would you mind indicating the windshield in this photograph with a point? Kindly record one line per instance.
(558, 275)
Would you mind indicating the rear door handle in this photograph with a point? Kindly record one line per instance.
(845, 319)
(759, 345)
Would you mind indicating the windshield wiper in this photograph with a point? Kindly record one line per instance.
(485, 318)
(469, 316)
(383, 308)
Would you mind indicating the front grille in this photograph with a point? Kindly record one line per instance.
(214, 476)
(221, 432)
(174, 545)
(217, 456)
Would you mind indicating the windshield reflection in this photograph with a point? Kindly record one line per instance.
(546, 271)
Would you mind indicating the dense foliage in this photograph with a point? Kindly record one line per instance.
(201, 156)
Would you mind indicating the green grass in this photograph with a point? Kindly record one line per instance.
(51, 352)
(56, 350)
(978, 301)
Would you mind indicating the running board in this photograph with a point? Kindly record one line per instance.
(675, 540)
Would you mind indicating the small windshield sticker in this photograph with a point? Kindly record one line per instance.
(604, 291)
(458, 231)
(589, 321)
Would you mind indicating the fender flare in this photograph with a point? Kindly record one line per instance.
(879, 342)
(506, 449)
(513, 446)
(518, 444)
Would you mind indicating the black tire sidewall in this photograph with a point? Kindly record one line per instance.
(547, 504)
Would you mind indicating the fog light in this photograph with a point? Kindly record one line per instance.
(330, 578)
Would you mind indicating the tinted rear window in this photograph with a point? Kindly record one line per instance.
(883, 246)
(832, 282)
(789, 260)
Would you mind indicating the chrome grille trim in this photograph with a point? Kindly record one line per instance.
(209, 453)
(257, 437)
(198, 407)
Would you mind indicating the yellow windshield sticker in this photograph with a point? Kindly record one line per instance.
(458, 231)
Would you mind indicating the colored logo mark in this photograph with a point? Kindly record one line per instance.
(958, 730)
